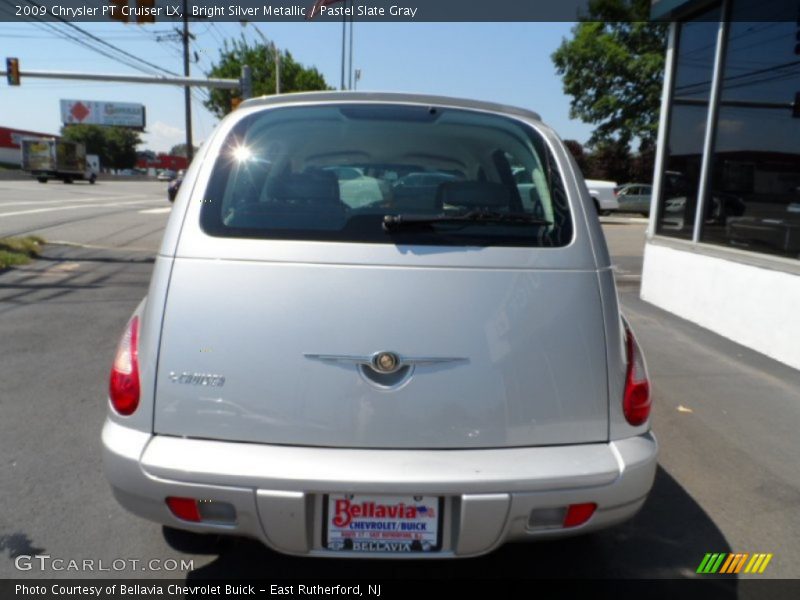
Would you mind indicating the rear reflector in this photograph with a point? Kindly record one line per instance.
(123, 388)
(205, 511)
(578, 514)
(184, 508)
(636, 401)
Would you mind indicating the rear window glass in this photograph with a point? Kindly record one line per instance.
(382, 173)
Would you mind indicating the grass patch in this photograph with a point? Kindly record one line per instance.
(19, 251)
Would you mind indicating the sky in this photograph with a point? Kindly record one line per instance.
(502, 62)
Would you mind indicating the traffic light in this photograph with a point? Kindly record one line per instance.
(146, 12)
(12, 71)
(116, 10)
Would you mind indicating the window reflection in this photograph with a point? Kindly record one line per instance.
(690, 97)
(755, 178)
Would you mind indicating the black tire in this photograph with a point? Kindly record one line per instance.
(41, 179)
(92, 178)
(68, 180)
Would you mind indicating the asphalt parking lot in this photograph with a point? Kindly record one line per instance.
(726, 419)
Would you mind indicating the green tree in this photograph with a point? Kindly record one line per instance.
(576, 149)
(116, 146)
(294, 76)
(610, 161)
(613, 68)
(121, 147)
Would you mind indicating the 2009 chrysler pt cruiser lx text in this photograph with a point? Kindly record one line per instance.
(381, 325)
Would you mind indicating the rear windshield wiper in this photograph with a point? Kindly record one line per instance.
(394, 222)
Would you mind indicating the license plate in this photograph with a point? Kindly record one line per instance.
(396, 524)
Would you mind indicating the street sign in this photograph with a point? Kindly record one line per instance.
(91, 112)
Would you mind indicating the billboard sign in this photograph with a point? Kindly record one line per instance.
(91, 112)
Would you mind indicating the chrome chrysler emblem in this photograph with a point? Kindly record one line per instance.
(385, 363)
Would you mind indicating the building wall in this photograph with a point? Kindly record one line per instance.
(10, 144)
(754, 306)
(723, 245)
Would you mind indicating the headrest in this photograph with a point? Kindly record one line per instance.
(474, 194)
(317, 186)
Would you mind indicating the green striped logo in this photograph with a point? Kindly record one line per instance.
(733, 563)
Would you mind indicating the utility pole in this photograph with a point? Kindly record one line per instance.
(247, 82)
(277, 68)
(267, 46)
(344, 35)
(350, 69)
(187, 92)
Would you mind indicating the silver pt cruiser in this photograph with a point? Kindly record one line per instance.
(381, 325)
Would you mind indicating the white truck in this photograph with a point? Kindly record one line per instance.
(604, 195)
(51, 158)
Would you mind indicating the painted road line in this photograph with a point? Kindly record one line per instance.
(4, 204)
(60, 208)
(155, 211)
(86, 199)
(96, 247)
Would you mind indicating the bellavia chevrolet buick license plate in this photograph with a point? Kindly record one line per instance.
(382, 523)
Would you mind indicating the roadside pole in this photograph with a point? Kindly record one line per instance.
(187, 91)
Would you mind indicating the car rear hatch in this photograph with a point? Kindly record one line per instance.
(292, 341)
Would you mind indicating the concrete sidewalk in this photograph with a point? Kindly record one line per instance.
(727, 419)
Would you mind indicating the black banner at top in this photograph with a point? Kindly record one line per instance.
(145, 12)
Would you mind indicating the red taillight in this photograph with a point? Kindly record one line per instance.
(123, 389)
(636, 401)
(578, 514)
(184, 508)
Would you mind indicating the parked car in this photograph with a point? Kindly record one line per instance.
(417, 191)
(355, 188)
(635, 198)
(175, 185)
(166, 175)
(373, 381)
(603, 196)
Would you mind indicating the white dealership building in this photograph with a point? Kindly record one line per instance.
(723, 244)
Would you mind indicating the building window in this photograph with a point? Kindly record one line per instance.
(694, 66)
(754, 196)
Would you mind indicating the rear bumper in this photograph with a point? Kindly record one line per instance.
(277, 490)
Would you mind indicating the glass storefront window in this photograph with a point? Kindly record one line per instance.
(754, 194)
(694, 66)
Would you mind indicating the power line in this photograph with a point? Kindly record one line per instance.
(80, 42)
(743, 75)
(104, 43)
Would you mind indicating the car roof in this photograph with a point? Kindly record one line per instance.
(384, 97)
